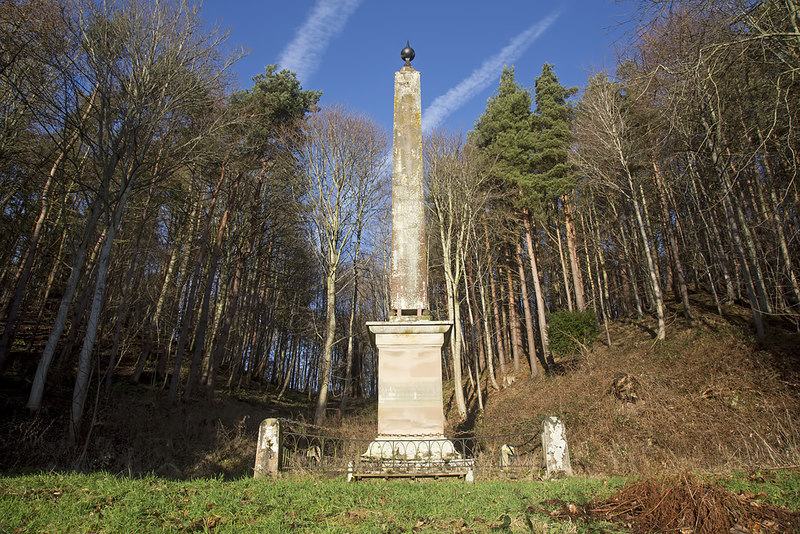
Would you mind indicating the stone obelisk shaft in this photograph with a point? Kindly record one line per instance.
(409, 265)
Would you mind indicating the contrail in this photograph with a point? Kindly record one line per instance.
(481, 77)
(327, 19)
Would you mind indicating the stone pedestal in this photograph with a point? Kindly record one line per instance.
(410, 404)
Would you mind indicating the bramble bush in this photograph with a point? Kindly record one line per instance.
(568, 330)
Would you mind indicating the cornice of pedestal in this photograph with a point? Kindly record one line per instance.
(409, 327)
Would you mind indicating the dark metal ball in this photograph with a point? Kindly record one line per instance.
(407, 54)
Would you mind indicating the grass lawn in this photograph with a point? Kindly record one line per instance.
(107, 503)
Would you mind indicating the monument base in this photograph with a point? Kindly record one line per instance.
(435, 449)
(410, 402)
(412, 458)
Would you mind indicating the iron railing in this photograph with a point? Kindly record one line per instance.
(305, 448)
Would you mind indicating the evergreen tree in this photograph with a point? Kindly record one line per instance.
(504, 131)
(550, 154)
(553, 176)
(505, 134)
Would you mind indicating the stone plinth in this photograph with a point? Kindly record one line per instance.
(410, 404)
(410, 378)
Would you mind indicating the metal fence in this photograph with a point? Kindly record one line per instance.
(308, 449)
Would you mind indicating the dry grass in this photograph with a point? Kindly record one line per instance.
(713, 400)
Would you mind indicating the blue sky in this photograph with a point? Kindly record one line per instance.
(350, 49)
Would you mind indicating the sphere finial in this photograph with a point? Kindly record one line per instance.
(407, 54)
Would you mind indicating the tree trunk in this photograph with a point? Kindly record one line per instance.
(734, 230)
(193, 282)
(37, 388)
(570, 306)
(533, 361)
(487, 331)
(537, 287)
(713, 231)
(351, 326)
(577, 278)
(327, 354)
(498, 329)
(774, 215)
(454, 314)
(588, 259)
(48, 286)
(84, 360)
(152, 320)
(516, 338)
(673, 242)
(758, 278)
(629, 268)
(605, 303)
(472, 303)
(287, 379)
(202, 322)
(233, 296)
(655, 284)
(26, 268)
(127, 285)
(33, 243)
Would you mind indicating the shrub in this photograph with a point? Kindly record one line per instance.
(568, 330)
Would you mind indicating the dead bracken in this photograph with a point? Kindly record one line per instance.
(682, 503)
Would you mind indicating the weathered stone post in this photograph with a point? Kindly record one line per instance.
(268, 449)
(554, 448)
(507, 454)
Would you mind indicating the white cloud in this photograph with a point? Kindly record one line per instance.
(481, 77)
(327, 19)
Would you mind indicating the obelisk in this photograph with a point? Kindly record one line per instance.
(410, 404)
(409, 285)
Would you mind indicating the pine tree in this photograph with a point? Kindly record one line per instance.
(504, 131)
(549, 159)
(554, 176)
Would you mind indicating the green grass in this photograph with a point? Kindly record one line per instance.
(778, 487)
(107, 503)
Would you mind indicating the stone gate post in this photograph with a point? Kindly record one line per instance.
(268, 449)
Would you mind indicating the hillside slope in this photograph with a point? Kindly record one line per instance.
(710, 398)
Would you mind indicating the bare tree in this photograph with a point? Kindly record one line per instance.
(607, 149)
(341, 160)
(154, 72)
(456, 194)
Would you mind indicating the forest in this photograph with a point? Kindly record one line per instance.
(159, 227)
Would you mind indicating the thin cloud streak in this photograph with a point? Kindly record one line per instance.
(327, 19)
(481, 77)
